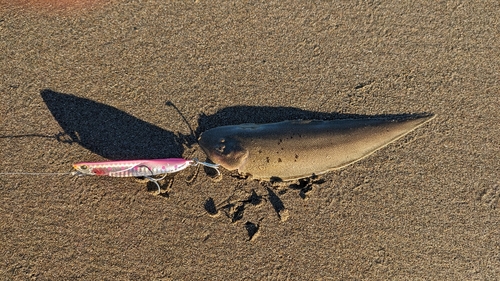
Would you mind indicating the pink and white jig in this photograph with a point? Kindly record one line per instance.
(133, 168)
(138, 168)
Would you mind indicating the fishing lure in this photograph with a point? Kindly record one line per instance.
(138, 168)
(131, 168)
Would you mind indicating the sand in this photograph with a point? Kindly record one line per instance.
(127, 79)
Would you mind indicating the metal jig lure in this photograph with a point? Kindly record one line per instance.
(138, 168)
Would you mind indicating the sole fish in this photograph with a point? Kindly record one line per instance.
(292, 150)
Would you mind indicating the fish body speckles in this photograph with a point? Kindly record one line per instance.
(296, 149)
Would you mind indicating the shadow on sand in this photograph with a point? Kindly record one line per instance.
(108, 131)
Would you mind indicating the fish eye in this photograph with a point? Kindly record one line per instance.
(83, 167)
(220, 148)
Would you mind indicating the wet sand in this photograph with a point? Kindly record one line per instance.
(127, 79)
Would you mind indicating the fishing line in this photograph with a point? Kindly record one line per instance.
(37, 173)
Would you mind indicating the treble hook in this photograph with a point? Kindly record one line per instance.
(206, 164)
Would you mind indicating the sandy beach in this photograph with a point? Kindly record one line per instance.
(96, 81)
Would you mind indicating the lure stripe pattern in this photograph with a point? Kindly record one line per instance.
(134, 168)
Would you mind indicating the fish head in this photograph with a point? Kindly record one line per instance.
(223, 149)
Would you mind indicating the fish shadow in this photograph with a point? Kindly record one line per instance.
(108, 131)
(241, 114)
